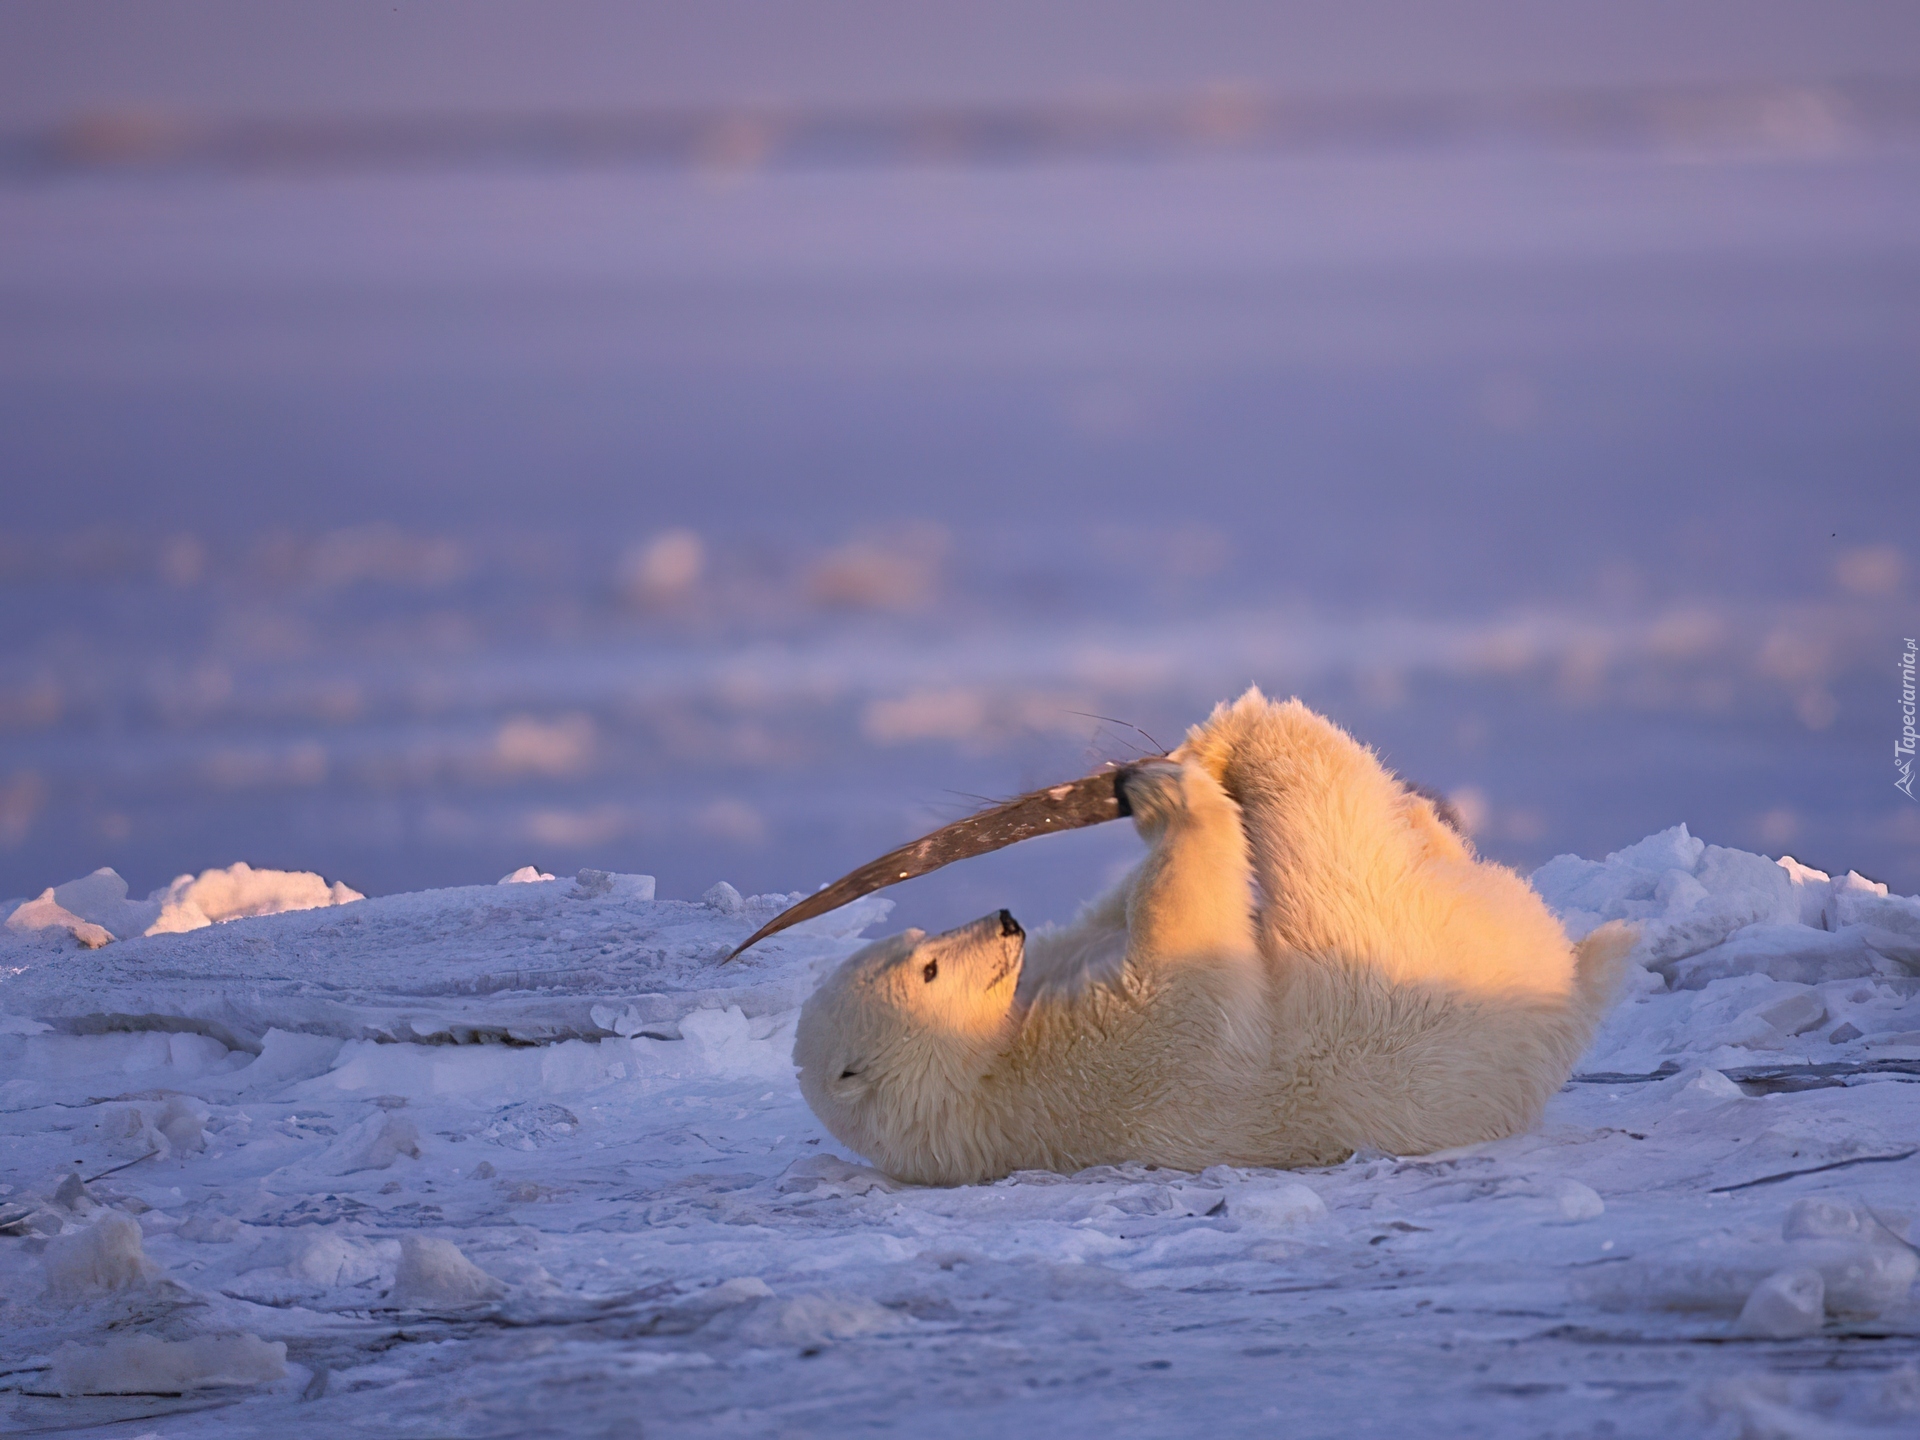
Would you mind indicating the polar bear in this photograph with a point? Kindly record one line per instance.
(1307, 961)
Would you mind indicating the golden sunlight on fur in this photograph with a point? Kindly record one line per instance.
(1306, 962)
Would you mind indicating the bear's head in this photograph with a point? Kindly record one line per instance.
(903, 1030)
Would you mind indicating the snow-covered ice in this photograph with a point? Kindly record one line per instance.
(147, 1365)
(525, 1158)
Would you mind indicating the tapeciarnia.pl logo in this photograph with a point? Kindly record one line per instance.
(1903, 747)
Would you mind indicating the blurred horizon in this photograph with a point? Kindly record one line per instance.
(721, 443)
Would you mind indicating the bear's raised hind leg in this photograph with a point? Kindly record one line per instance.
(1351, 866)
(1327, 826)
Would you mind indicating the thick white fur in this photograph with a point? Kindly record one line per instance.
(1306, 962)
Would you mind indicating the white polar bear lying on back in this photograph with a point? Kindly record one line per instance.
(1306, 962)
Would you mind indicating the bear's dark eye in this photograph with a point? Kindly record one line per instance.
(929, 971)
(853, 1070)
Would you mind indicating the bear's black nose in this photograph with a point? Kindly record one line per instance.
(1009, 925)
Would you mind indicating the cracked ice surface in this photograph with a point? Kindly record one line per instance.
(523, 1159)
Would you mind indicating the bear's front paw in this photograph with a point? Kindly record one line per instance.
(1155, 792)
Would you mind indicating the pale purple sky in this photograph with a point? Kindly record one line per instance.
(244, 56)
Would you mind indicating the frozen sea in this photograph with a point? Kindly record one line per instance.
(523, 1159)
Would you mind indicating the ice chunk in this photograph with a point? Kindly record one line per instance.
(828, 1177)
(1863, 1277)
(1701, 1087)
(1288, 1202)
(1857, 1277)
(25, 1215)
(1803, 874)
(1664, 944)
(1571, 884)
(1809, 888)
(1736, 891)
(1686, 896)
(739, 1290)
(1678, 893)
(1890, 924)
(1822, 1219)
(723, 897)
(129, 1130)
(176, 1124)
(1785, 1305)
(592, 884)
(107, 1255)
(102, 898)
(1577, 1202)
(811, 1320)
(531, 1125)
(1847, 895)
(1759, 882)
(1784, 952)
(239, 891)
(286, 1056)
(1690, 898)
(183, 1122)
(1899, 948)
(628, 1021)
(722, 1043)
(209, 1229)
(1672, 849)
(434, 1274)
(303, 1263)
(47, 913)
(1866, 1264)
(328, 1259)
(1799, 1010)
(525, 875)
(373, 1144)
(1562, 879)
(72, 1193)
(146, 1365)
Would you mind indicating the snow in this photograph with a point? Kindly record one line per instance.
(427, 1163)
